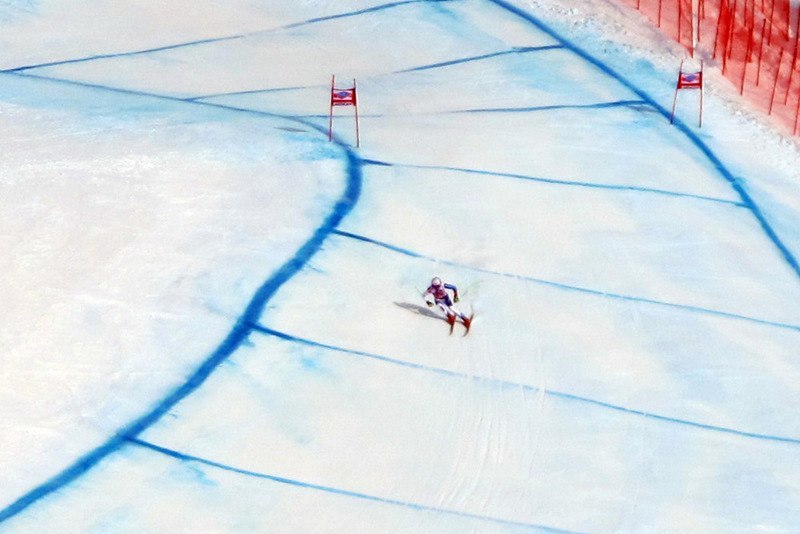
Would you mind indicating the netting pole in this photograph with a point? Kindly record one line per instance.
(796, 115)
(771, 22)
(727, 43)
(775, 83)
(794, 59)
(722, 6)
(744, 75)
(747, 55)
(701, 15)
(731, 34)
(751, 28)
(692, 33)
(784, 17)
(761, 50)
(718, 28)
(745, 19)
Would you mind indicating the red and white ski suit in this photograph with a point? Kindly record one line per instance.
(442, 299)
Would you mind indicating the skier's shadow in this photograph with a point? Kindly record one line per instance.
(419, 310)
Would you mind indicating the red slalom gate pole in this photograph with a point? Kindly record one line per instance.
(688, 80)
(675, 98)
(702, 91)
(343, 97)
(330, 121)
(355, 105)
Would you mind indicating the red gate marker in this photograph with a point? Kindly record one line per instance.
(689, 80)
(343, 97)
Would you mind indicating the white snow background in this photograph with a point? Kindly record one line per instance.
(211, 317)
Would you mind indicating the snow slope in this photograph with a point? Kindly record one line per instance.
(214, 318)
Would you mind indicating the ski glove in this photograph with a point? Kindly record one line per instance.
(455, 299)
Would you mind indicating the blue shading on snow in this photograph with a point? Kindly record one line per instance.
(585, 290)
(306, 402)
(514, 385)
(12, 10)
(484, 56)
(565, 182)
(721, 168)
(351, 494)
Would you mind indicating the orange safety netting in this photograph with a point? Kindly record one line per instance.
(754, 41)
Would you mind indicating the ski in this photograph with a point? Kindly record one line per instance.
(468, 324)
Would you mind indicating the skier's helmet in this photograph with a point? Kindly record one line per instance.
(436, 282)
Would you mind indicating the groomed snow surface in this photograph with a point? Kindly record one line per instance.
(211, 316)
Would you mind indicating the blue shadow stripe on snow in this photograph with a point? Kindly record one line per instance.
(253, 92)
(508, 384)
(338, 491)
(364, 11)
(235, 338)
(556, 107)
(133, 92)
(578, 289)
(520, 50)
(722, 170)
(612, 187)
(528, 109)
(123, 54)
(191, 101)
(212, 40)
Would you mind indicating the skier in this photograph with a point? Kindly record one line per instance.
(437, 294)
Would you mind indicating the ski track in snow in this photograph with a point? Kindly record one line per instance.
(248, 323)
